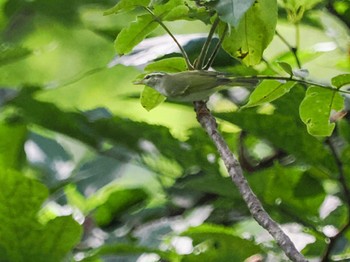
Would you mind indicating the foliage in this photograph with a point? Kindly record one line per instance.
(88, 175)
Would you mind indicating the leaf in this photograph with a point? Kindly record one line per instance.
(286, 67)
(23, 238)
(298, 192)
(151, 98)
(254, 32)
(126, 5)
(307, 149)
(11, 53)
(117, 203)
(218, 243)
(231, 11)
(316, 108)
(12, 139)
(130, 36)
(268, 91)
(171, 65)
(341, 80)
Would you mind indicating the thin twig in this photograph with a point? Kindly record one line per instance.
(291, 48)
(300, 81)
(216, 50)
(183, 52)
(346, 191)
(205, 48)
(255, 207)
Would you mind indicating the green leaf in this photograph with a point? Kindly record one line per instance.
(117, 203)
(126, 5)
(218, 243)
(286, 67)
(23, 238)
(308, 149)
(268, 91)
(171, 65)
(254, 32)
(132, 35)
(316, 108)
(232, 11)
(12, 53)
(12, 138)
(296, 8)
(298, 192)
(151, 98)
(172, 10)
(341, 80)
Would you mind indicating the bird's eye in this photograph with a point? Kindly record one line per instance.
(147, 77)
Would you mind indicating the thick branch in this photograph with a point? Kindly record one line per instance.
(255, 207)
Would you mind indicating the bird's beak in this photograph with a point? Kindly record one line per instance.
(138, 82)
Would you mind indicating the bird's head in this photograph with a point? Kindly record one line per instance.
(152, 80)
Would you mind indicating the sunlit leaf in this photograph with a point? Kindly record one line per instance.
(126, 5)
(130, 36)
(268, 91)
(171, 65)
(341, 80)
(316, 108)
(254, 32)
(231, 11)
(151, 98)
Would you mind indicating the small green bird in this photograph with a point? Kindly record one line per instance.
(192, 85)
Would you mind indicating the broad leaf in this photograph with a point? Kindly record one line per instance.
(341, 80)
(254, 32)
(316, 108)
(151, 98)
(218, 243)
(130, 36)
(231, 11)
(171, 65)
(126, 5)
(22, 237)
(308, 149)
(268, 91)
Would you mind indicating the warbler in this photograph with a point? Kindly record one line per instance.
(193, 85)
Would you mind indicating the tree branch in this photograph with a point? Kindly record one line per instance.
(255, 207)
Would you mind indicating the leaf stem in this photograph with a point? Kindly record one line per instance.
(216, 50)
(300, 81)
(204, 52)
(183, 52)
(291, 48)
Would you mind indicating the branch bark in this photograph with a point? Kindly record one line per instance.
(255, 207)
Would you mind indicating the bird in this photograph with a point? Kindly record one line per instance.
(195, 85)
